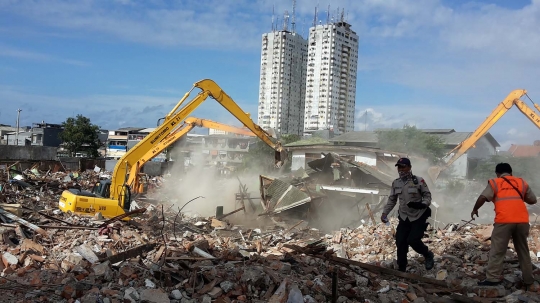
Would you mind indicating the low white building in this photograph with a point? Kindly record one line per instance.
(462, 168)
(305, 151)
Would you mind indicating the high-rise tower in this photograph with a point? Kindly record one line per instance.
(283, 80)
(331, 77)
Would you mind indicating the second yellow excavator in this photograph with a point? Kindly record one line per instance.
(513, 99)
(113, 198)
(190, 123)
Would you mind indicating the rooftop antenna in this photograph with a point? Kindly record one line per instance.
(342, 19)
(286, 21)
(315, 17)
(293, 18)
(273, 14)
(328, 14)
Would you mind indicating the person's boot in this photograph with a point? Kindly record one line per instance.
(401, 266)
(429, 260)
(488, 283)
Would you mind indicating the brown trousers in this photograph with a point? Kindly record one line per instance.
(502, 232)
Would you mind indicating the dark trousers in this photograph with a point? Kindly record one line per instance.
(410, 234)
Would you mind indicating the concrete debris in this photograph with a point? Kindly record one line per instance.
(154, 296)
(313, 194)
(165, 256)
(176, 294)
(131, 295)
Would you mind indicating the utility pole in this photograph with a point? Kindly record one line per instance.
(17, 135)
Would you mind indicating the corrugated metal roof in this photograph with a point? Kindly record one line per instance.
(438, 131)
(357, 136)
(308, 142)
(454, 138)
(284, 196)
(372, 170)
(425, 130)
(129, 129)
(449, 136)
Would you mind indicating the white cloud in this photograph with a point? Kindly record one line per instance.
(506, 145)
(107, 111)
(371, 119)
(512, 132)
(513, 128)
(193, 23)
(6, 51)
(516, 133)
(426, 29)
(457, 63)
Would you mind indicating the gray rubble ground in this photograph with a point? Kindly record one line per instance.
(195, 259)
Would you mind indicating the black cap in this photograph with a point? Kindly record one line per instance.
(403, 161)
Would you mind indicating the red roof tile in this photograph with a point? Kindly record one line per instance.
(524, 150)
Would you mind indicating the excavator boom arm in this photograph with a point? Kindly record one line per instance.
(220, 126)
(180, 132)
(496, 114)
(219, 95)
(528, 112)
(172, 121)
(131, 157)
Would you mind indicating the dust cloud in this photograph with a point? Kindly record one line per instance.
(456, 197)
(218, 187)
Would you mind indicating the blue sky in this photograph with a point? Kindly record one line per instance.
(435, 64)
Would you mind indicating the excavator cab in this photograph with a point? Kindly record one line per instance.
(102, 189)
(85, 202)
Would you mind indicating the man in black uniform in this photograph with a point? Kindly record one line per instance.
(414, 201)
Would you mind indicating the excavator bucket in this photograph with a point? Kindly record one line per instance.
(434, 172)
(280, 157)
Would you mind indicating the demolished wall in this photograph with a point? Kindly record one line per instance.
(36, 153)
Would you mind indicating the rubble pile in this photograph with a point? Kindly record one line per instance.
(163, 255)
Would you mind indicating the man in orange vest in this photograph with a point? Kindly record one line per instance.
(509, 195)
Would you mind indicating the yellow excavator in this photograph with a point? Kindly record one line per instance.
(114, 199)
(190, 123)
(513, 99)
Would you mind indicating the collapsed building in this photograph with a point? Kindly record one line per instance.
(164, 255)
(332, 192)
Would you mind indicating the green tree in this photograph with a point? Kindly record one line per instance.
(526, 168)
(411, 140)
(261, 156)
(80, 135)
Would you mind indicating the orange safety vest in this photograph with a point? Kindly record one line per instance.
(509, 204)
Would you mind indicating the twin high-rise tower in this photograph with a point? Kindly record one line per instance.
(309, 85)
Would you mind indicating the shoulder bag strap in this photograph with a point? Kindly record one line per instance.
(520, 195)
